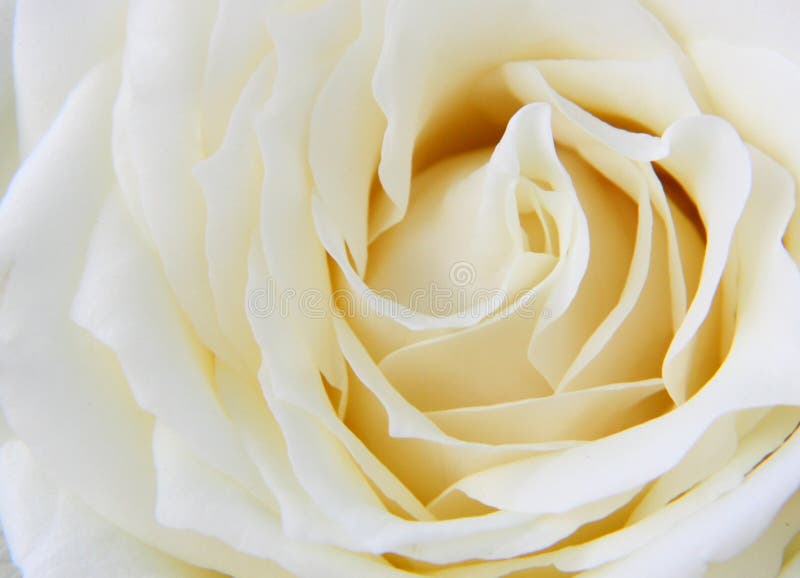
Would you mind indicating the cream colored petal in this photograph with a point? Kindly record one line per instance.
(403, 438)
(631, 341)
(721, 529)
(645, 264)
(467, 208)
(764, 558)
(770, 24)
(581, 415)
(586, 132)
(53, 535)
(573, 123)
(461, 210)
(193, 497)
(451, 370)
(767, 308)
(300, 520)
(54, 47)
(9, 141)
(755, 88)
(290, 381)
(336, 484)
(651, 93)
(163, 69)
(612, 228)
(434, 50)
(675, 235)
(497, 535)
(167, 368)
(668, 523)
(75, 412)
(314, 42)
(345, 135)
(711, 452)
(238, 44)
(719, 188)
(231, 182)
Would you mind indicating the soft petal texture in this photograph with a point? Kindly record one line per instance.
(199, 182)
(715, 533)
(54, 535)
(191, 496)
(152, 341)
(756, 356)
(54, 47)
(239, 42)
(738, 76)
(159, 114)
(76, 413)
(745, 56)
(763, 557)
(313, 41)
(756, 447)
(650, 93)
(468, 42)
(343, 169)
(231, 181)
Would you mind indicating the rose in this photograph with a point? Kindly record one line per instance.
(621, 404)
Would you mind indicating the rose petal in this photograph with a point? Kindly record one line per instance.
(620, 241)
(526, 82)
(102, 456)
(709, 455)
(755, 357)
(580, 415)
(192, 496)
(54, 48)
(652, 93)
(313, 41)
(152, 340)
(763, 559)
(757, 446)
(239, 42)
(719, 188)
(161, 92)
(721, 529)
(337, 486)
(52, 534)
(231, 182)
(739, 76)
(344, 168)
(630, 342)
(771, 24)
(448, 42)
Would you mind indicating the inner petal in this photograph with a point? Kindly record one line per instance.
(571, 416)
(612, 227)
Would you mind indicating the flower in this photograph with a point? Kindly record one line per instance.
(469, 289)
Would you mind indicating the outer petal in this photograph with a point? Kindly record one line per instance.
(158, 112)
(749, 60)
(55, 45)
(720, 530)
(75, 412)
(756, 89)
(53, 535)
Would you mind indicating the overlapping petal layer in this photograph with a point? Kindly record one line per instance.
(398, 288)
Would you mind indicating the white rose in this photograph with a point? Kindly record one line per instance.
(439, 288)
